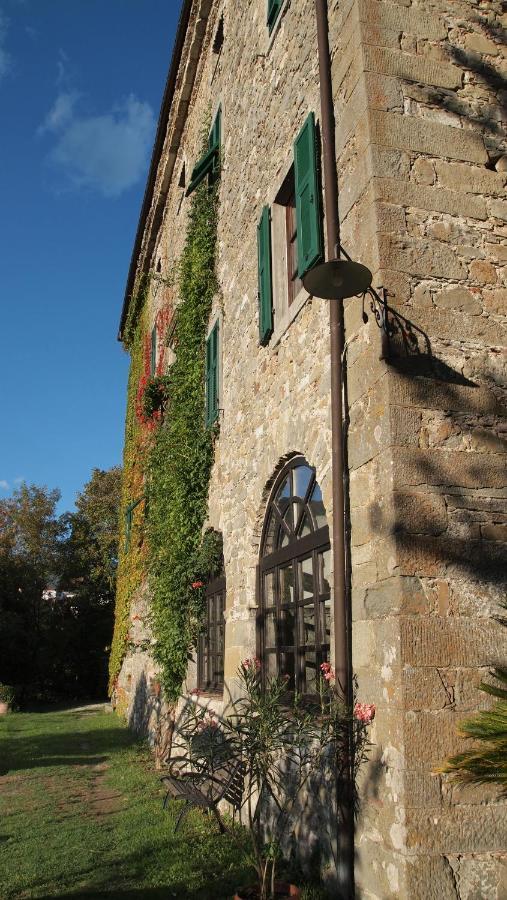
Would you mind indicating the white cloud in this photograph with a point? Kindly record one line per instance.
(60, 113)
(107, 153)
(19, 480)
(5, 59)
(4, 485)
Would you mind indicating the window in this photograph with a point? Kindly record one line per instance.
(212, 375)
(210, 651)
(289, 235)
(287, 198)
(294, 623)
(274, 7)
(209, 164)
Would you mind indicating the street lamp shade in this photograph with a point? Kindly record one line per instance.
(337, 279)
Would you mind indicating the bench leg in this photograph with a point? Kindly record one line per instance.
(182, 815)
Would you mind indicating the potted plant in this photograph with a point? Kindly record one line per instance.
(7, 695)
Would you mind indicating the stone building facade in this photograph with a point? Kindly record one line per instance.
(420, 99)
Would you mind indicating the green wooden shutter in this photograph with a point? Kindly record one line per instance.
(153, 354)
(209, 164)
(212, 376)
(273, 10)
(309, 224)
(264, 273)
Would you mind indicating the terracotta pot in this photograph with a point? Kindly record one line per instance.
(4, 708)
(282, 891)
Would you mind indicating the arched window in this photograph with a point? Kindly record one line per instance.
(210, 647)
(295, 603)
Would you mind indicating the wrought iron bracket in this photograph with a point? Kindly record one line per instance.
(380, 310)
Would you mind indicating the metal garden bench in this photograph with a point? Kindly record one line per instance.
(205, 789)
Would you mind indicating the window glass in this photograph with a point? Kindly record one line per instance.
(295, 567)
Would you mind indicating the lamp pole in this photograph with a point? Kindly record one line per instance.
(336, 326)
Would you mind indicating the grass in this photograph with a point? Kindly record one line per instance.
(81, 816)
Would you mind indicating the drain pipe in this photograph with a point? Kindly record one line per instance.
(336, 323)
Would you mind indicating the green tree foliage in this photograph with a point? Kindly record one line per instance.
(54, 646)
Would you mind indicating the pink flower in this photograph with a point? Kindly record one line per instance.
(364, 712)
(254, 663)
(197, 584)
(328, 673)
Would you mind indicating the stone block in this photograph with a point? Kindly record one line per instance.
(459, 299)
(498, 209)
(397, 18)
(396, 595)
(427, 688)
(438, 323)
(469, 179)
(421, 789)
(430, 878)
(410, 390)
(494, 532)
(424, 258)
(419, 196)
(423, 171)
(423, 136)
(495, 301)
(419, 513)
(482, 272)
(471, 830)
(411, 68)
(413, 467)
(450, 641)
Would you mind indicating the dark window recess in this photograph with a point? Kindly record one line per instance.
(287, 198)
(265, 290)
(210, 651)
(182, 182)
(294, 622)
(159, 266)
(274, 7)
(219, 36)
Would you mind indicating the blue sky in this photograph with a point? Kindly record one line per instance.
(80, 88)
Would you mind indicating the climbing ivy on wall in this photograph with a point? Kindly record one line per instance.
(168, 459)
(132, 561)
(181, 455)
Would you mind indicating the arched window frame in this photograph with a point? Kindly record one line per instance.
(293, 581)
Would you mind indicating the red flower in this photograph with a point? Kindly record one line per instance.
(365, 712)
(197, 584)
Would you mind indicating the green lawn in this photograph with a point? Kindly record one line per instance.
(81, 815)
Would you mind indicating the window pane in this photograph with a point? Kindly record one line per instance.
(309, 624)
(287, 628)
(311, 672)
(325, 572)
(287, 668)
(302, 477)
(271, 667)
(287, 584)
(307, 586)
(269, 629)
(269, 589)
(283, 495)
(317, 507)
(305, 527)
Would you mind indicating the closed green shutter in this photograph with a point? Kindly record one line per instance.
(264, 272)
(273, 10)
(212, 376)
(309, 224)
(153, 354)
(209, 164)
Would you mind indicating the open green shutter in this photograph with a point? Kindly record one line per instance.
(209, 164)
(264, 272)
(153, 354)
(309, 224)
(273, 10)
(212, 376)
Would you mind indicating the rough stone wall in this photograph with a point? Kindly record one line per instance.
(420, 119)
(419, 107)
